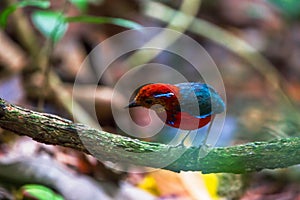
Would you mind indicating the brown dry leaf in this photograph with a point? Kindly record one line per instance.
(294, 91)
(169, 184)
(75, 160)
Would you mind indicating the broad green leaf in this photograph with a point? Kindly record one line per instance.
(10, 9)
(80, 4)
(39, 192)
(104, 20)
(50, 23)
(290, 8)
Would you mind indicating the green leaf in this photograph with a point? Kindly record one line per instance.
(50, 23)
(10, 9)
(105, 20)
(34, 191)
(80, 4)
(290, 8)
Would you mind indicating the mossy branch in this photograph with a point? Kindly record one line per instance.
(51, 129)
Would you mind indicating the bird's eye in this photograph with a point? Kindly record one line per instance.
(148, 101)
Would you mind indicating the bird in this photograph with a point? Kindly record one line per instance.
(187, 106)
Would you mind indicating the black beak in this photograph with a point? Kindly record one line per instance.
(132, 104)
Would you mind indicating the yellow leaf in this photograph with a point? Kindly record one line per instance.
(149, 184)
(211, 183)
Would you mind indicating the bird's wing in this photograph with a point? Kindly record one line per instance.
(199, 100)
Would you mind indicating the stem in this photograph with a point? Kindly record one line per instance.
(51, 129)
(46, 67)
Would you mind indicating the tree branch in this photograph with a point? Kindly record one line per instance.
(51, 129)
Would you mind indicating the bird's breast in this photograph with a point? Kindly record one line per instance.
(184, 121)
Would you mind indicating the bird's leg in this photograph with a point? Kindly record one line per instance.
(205, 147)
(181, 143)
(183, 139)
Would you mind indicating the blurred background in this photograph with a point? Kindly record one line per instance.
(255, 44)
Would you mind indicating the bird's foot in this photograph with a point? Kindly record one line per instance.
(178, 145)
(175, 148)
(181, 143)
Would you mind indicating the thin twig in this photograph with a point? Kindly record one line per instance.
(48, 49)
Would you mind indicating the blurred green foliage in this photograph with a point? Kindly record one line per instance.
(289, 8)
(50, 23)
(38, 192)
(53, 24)
(10, 9)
